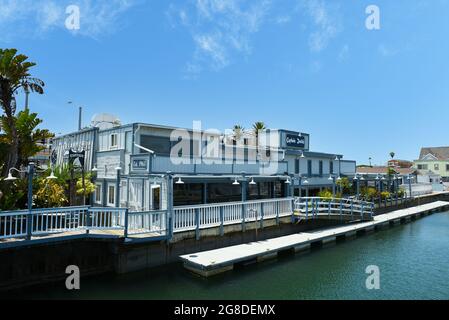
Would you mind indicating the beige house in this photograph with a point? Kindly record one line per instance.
(434, 160)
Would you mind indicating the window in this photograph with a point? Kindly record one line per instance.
(98, 193)
(296, 166)
(245, 141)
(321, 168)
(114, 140)
(423, 167)
(160, 145)
(331, 167)
(309, 167)
(436, 167)
(447, 167)
(111, 195)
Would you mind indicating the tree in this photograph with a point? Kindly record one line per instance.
(30, 137)
(89, 186)
(15, 76)
(50, 194)
(257, 128)
(238, 132)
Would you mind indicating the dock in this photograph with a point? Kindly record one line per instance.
(209, 263)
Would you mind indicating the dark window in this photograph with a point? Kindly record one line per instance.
(297, 166)
(447, 167)
(187, 194)
(321, 168)
(160, 145)
(309, 167)
(331, 167)
(223, 192)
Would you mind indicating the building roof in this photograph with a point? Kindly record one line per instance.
(383, 170)
(440, 153)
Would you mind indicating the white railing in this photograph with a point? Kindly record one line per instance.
(46, 221)
(13, 224)
(107, 218)
(22, 223)
(214, 215)
(313, 207)
(147, 222)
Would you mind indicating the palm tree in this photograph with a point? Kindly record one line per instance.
(15, 76)
(257, 128)
(238, 132)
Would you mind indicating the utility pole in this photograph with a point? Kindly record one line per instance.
(80, 118)
(80, 113)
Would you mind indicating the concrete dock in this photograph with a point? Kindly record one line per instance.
(209, 263)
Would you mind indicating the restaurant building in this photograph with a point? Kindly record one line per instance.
(140, 165)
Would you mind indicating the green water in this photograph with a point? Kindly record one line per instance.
(413, 261)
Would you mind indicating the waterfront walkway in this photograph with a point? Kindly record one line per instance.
(212, 262)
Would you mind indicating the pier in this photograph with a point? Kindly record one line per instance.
(209, 263)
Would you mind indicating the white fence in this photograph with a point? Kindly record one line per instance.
(214, 215)
(22, 223)
(147, 222)
(313, 207)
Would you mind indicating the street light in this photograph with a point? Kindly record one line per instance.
(179, 181)
(252, 181)
(30, 172)
(236, 183)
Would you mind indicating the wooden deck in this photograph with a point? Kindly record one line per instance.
(70, 235)
(212, 262)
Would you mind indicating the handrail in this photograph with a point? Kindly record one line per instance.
(207, 205)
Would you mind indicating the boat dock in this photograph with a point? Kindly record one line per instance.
(209, 263)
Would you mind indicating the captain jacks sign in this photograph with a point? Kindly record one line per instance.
(295, 141)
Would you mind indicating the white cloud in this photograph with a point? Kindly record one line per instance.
(34, 18)
(326, 23)
(220, 29)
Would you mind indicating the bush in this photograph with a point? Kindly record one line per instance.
(385, 195)
(368, 193)
(326, 194)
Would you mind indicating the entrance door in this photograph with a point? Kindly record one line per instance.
(155, 203)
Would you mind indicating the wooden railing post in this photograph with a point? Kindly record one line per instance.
(88, 220)
(307, 208)
(126, 223)
(197, 223)
(352, 209)
(362, 211)
(221, 221)
(262, 214)
(277, 208)
(243, 217)
(341, 209)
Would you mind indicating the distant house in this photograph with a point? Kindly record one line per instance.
(370, 173)
(396, 163)
(434, 160)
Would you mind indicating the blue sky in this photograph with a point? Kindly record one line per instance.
(306, 65)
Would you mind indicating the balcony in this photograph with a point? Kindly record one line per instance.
(143, 164)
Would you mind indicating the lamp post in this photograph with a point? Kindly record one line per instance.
(332, 178)
(306, 182)
(356, 181)
(409, 178)
(30, 171)
(118, 169)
